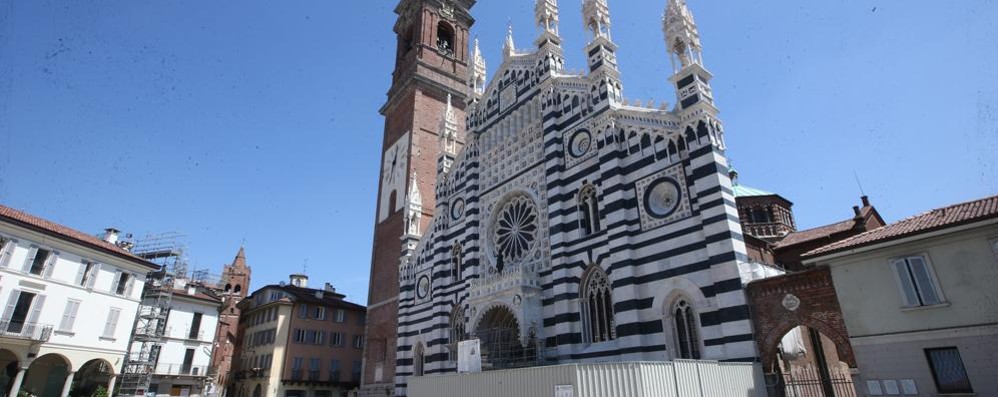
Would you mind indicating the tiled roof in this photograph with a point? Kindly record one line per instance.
(196, 295)
(803, 236)
(52, 228)
(941, 218)
(307, 295)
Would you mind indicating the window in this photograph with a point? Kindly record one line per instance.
(123, 286)
(457, 331)
(358, 341)
(948, 371)
(334, 370)
(341, 315)
(87, 274)
(320, 313)
(313, 368)
(361, 319)
(597, 307)
(39, 261)
(299, 336)
(320, 337)
(445, 39)
(456, 262)
(275, 296)
(69, 315)
(918, 286)
(589, 221)
(336, 339)
(17, 311)
(303, 311)
(111, 325)
(686, 331)
(355, 375)
(185, 368)
(195, 326)
(759, 215)
(6, 250)
(310, 336)
(296, 364)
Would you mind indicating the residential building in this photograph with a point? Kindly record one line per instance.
(69, 300)
(184, 352)
(560, 222)
(233, 287)
(918, 300)
(296, 341)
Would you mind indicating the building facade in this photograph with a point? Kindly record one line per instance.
(918, 301)
(570, 224)
(296, 341)
(184, 354)
(69, 300)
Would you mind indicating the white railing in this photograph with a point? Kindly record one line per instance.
(23, 330)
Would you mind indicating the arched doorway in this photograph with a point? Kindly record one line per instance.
(501, 347)
(91, 376)
(46, 376)
(807, 364)
(8, 370)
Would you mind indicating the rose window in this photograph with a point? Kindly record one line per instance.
(515, 229)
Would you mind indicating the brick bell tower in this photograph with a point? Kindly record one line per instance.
(431, 63)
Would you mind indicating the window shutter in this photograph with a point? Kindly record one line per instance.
(82, 273)
(117, 280)
(50, 264)
(112, 322)
(908, 294)
(31, 258)
(36, 309)
(926, 288)
(11, 303)
(7, 251)
(129, 284)
(92, 277)
(69, 315)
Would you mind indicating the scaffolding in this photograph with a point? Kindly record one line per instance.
(167, 251)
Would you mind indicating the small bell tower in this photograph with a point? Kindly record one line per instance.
(695, 99)
(607, 88)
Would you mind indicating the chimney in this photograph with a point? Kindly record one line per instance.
(855, 209)
(866, 200)
(111, 235)
(329, 288)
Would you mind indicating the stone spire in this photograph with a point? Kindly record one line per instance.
(414, 207)
(477, 75)
(546, 16)
(596, 17)
(509, 48)
(448, 131)
(682, 39)
(240, 260)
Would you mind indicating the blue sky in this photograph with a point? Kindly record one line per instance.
(257, 120)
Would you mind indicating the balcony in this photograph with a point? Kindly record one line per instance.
(180, 370)
(523, 277)
(184, 333)
(26, 331)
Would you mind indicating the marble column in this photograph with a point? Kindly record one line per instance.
(15, 386)
(68, 384)
(110, 385)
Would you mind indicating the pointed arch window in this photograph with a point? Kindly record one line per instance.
(458, 332)
(589, 217)
(597, 307)
(445, 39)
(686, 328)
(457, 260)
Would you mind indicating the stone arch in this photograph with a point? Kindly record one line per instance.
(671, 291)
(806, 298)
(90, 376)
(257, 391)
(418, 359)
(9, 365)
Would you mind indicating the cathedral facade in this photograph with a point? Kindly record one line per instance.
(563, 223)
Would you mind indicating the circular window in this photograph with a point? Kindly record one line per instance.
(514, 228)
(423, 287)
(662, 197)
(580, 144)
(457, 209)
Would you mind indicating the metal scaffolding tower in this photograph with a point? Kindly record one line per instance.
(167, 251)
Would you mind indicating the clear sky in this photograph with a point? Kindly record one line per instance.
(257, 120)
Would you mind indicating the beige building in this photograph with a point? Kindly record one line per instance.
(296, 341)
(920, 301)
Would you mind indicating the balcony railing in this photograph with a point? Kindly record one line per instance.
(184, 333)
(23, 330)
(181, 369)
